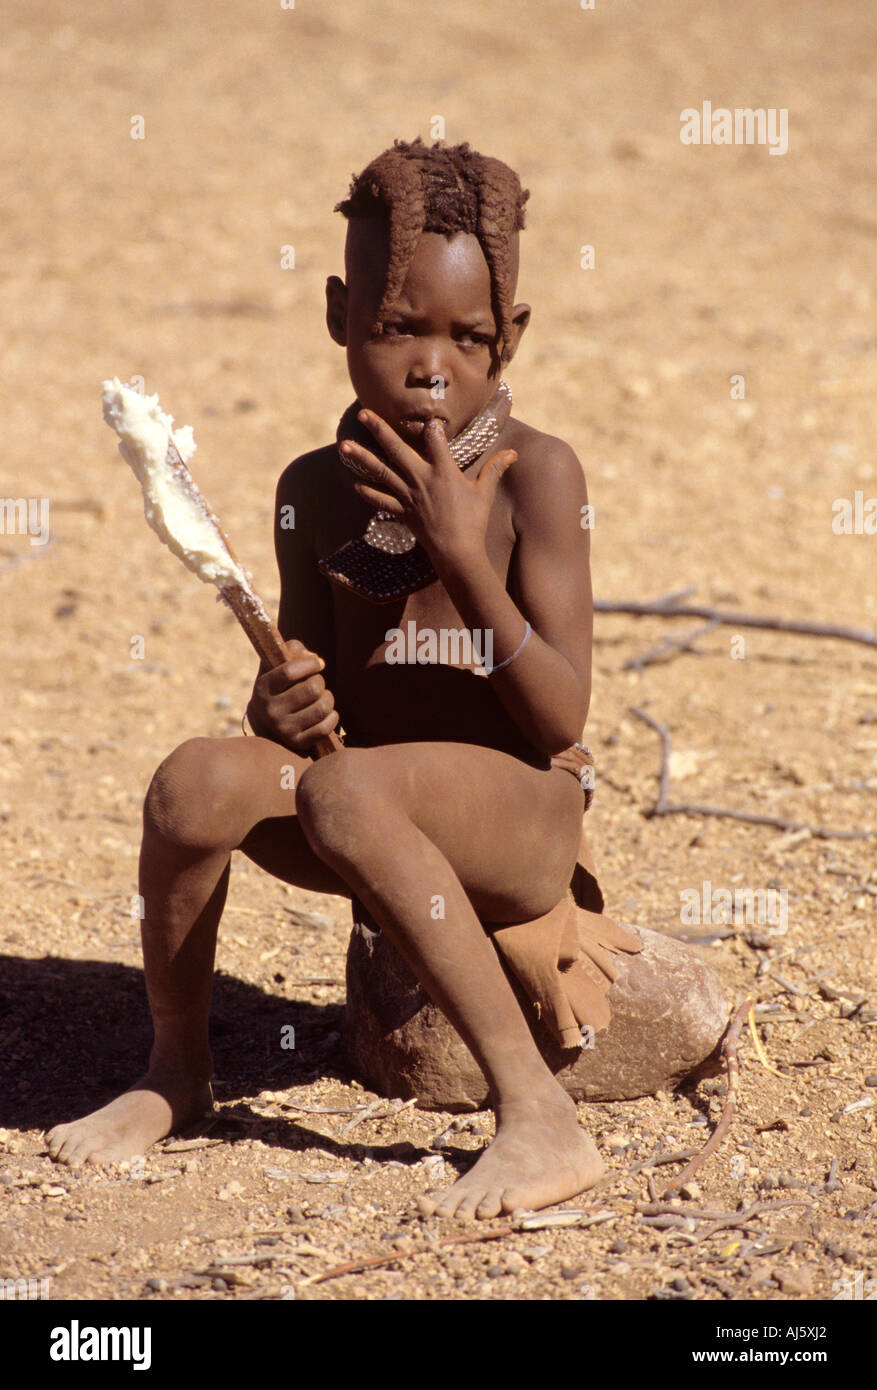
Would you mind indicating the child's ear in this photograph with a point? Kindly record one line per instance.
(520, 319)
(336, 310)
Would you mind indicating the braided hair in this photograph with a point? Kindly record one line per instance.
(418, 188)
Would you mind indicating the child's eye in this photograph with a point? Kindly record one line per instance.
(472, 339)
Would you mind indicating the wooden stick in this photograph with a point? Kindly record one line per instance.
(668, 647)
(744, 1217)
(663, 807)
(242, 599)
(667, 608)
(729, 1048)
(375, 1261)
(657, 1159)
(759, 1049)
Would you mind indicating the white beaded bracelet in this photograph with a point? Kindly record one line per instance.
(491, 669)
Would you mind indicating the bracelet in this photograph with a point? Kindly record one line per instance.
(522, 644)
(586, 776)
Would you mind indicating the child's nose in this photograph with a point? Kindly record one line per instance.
(429, 360)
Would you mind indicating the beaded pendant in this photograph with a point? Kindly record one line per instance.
(387, 561)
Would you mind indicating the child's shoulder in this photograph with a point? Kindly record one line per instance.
(546, 466)
(307, 475)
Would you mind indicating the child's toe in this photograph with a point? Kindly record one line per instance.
(489, 1206)
(470, 1203)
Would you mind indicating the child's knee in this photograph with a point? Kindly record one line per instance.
(336, 799)
(193, 794)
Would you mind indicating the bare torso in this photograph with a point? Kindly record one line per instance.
(387, 702)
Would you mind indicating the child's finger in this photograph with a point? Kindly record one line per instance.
(312, 722)
(437, 450)
(294, 648)
(400, 454)
(364, 464)
(381, 500)
(299, 669)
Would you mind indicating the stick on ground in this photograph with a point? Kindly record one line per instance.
(663, 807)
(729, 1049)
(670, 608)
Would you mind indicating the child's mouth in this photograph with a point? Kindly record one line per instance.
(414, 425)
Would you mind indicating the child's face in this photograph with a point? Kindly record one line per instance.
(437, 353)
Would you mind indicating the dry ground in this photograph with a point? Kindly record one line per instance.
(162, 257)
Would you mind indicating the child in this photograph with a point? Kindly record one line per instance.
(435, 511)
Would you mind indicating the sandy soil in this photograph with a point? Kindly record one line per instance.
(161, 257)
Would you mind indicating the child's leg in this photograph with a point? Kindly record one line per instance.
(428, 834)
(204, 801)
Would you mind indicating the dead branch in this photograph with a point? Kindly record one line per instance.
(668, 647)
(670, 608)
(657, 1159)
(375, 1261)
(750, 1214)
(663, 807)
(729, 1049)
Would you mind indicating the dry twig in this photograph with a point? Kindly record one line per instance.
(375, 1261)
(670, 608)
(759, 1048)
(663, 807)
(669, 646)
(729, 1048)
(657, 1160)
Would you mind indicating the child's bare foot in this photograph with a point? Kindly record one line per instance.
(539, 1156)
(132, 1122)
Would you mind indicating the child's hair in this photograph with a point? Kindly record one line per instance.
(416, 188)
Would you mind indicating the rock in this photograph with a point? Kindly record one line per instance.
(796, 1281)
(614, 1139)
(668, 1018)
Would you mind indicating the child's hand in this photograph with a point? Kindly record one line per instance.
(291, 704)
(444, 509)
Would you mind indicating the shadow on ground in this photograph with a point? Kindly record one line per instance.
(75, 1033)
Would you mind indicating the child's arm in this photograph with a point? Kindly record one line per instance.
(292, 704)
(547, 687)
(305, 609)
